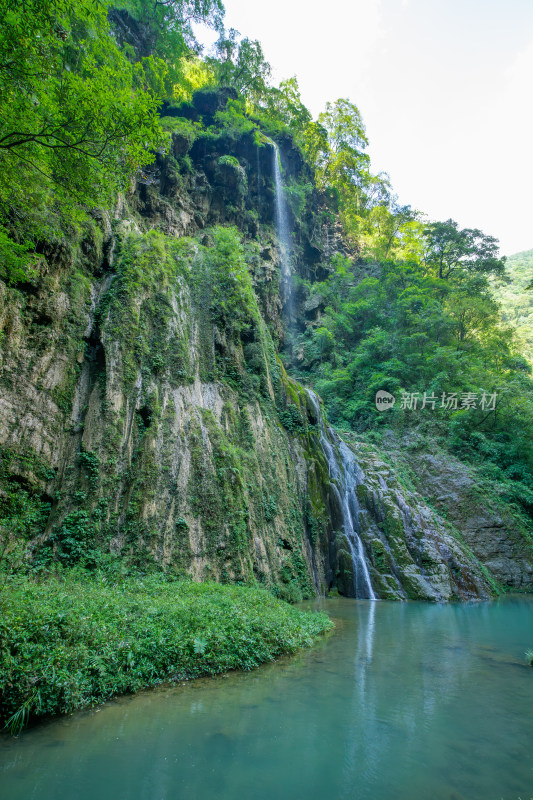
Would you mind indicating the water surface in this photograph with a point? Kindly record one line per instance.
(405, 701)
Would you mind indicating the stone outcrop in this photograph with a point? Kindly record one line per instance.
(497, 535)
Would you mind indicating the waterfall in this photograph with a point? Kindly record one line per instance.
(343, 474)
(341, 461)
(283, 230)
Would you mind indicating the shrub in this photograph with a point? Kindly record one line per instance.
(73, 641)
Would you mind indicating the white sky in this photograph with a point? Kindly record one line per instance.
(445, 88)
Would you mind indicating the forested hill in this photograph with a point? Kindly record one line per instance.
(184, 250)
(517, 299)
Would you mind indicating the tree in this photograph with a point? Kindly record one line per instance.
(347, 165)
(167, 18)
(285, 104)
(449, 249)
(344, 170)
(195, 74)
(383, 229)
(78, 117)
(240, 63)
(163, 29)
(344, 125)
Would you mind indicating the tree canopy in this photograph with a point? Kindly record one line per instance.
(449, 248)
(80, 103)
(77, 114)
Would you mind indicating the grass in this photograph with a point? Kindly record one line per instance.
(529, 657)
(72, 641)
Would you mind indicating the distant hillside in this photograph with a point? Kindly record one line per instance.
(517, 302)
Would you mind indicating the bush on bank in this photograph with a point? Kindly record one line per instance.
(73, 641)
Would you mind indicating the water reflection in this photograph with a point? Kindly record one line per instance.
(404, 701)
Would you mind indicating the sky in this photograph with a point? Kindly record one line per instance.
(445, 88)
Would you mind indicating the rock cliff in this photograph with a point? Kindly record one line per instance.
(146, 416)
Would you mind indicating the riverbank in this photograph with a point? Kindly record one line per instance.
(381, 708)
(71, 641)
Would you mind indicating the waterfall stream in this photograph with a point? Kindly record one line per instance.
(342, 472)
(283, 230)
(341, 461)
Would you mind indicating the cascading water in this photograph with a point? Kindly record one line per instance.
(283, 230)
(342, 471)
(341, 462)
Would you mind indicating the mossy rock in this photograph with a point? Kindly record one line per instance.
(344, 573)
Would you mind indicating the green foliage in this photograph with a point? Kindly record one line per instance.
(72, 542)
(344, 165)
(91, 463)
(240, 64)
(270, 507)
(194, 74)
(389, 230)
(297, 195)
(138, 307)
(167, 38)
(233, 120)
(448, 249)
(77, 115)
(217, 488)
(74, 641)
(23, 509)
(285, 104)
(17, 264)
(516, 299)
(294, 585)
(291, 419)
(80, 107)
(229, 161)
(333, 146)
(183, 127)
(412, 331)
(224, 282)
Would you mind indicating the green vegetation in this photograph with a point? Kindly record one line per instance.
(77, 113)
(529, 657)
(73, 641)
(516, 299)
(79, 110)
(427, 327)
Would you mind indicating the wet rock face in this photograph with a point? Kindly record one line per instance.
(207, 103)
(498, 539)
(130, 31)
(137, 426)
(139, 449)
